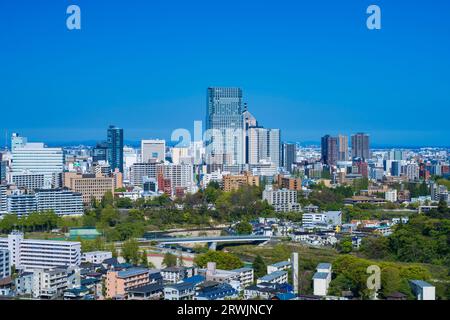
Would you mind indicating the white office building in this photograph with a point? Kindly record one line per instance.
(264, 144)
(22, 204)
(40, 254)
(180, 175)
(35, 158)
(153, 149)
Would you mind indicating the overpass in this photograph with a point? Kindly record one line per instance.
(211, 241)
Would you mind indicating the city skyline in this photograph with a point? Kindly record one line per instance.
(309, 69)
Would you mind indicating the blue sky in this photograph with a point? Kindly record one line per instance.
(307, 67)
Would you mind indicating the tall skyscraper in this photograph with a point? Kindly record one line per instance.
(115, 148)
(225, 126)
(329, 148)
(153, 149)
(249, 121)
(360, 146)
(264, 144)
(289, 155)
(17, 141)
(342, 148)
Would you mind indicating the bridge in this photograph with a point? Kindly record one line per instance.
(211, 241)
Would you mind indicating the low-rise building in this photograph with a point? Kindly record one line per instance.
(279, 266)
(179, 291)
(423, 290)
(96, 257)
(118, 283)
(322, 279)
(274, 277)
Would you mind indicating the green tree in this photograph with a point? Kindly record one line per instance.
(244, 227)
(169, 260)
(130, 251)
(259, 266)
(144, 258)
(223, 260)
(345, 245)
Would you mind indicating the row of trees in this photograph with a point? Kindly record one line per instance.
(36, 221)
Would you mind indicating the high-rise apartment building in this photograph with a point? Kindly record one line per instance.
(5, 264)
(153, 149)
(329, 147)
(3, 200)
(264, 144)
(225, 129)
(115, 148)
(361, 146)
(139, 171)
(342, 148)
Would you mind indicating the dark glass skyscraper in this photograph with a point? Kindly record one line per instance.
(289, 156)
(115, 148)
(225, 122)
(360, 146)
(329, 150)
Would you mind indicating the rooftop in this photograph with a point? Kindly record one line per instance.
(324, 266)
(272, 276)
(320, 275)
(281, 264)
(131, 272)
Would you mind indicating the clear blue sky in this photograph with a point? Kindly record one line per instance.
(307, 67)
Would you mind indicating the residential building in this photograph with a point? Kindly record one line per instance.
(115, 148)
(322, 279)
(391, 195)
(329, 147)
(60, 201)
(22, 204)
(152, 291)
(289, 183)
(179, 291)
(96, 257)
(283, 200)
(118, 283)
(177, 274)
(45, 254)
(29, 181)
(279, 266)
(3, 200)
(361, 146)
(139, 171)
(5, 263)
(245, 276)
(217, 292)
(49, 283)
(234, 182)
(342, 148)
(154, 150)
(264, 144)
(274, 277)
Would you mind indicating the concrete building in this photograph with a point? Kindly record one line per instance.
(279, 266)
(153, 150)
(3, 200)
(22, 204)
(119, 282)
(180, 175)
(234, 182)
(391, 195)
(361, 146)
(31, 254)
(140, 171)
(289, 156)
(179, 291)
(329, 150)
(274, 277)
(423, 290)
(322, 279)
(295, 269)
(35, 158)
(342, 148)
(283, 200)
(5, 263)
(28, 181)
(89, 185)
(264, 144)
(96, 257)
(49, 283)
(330, 217)
(60, 201)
